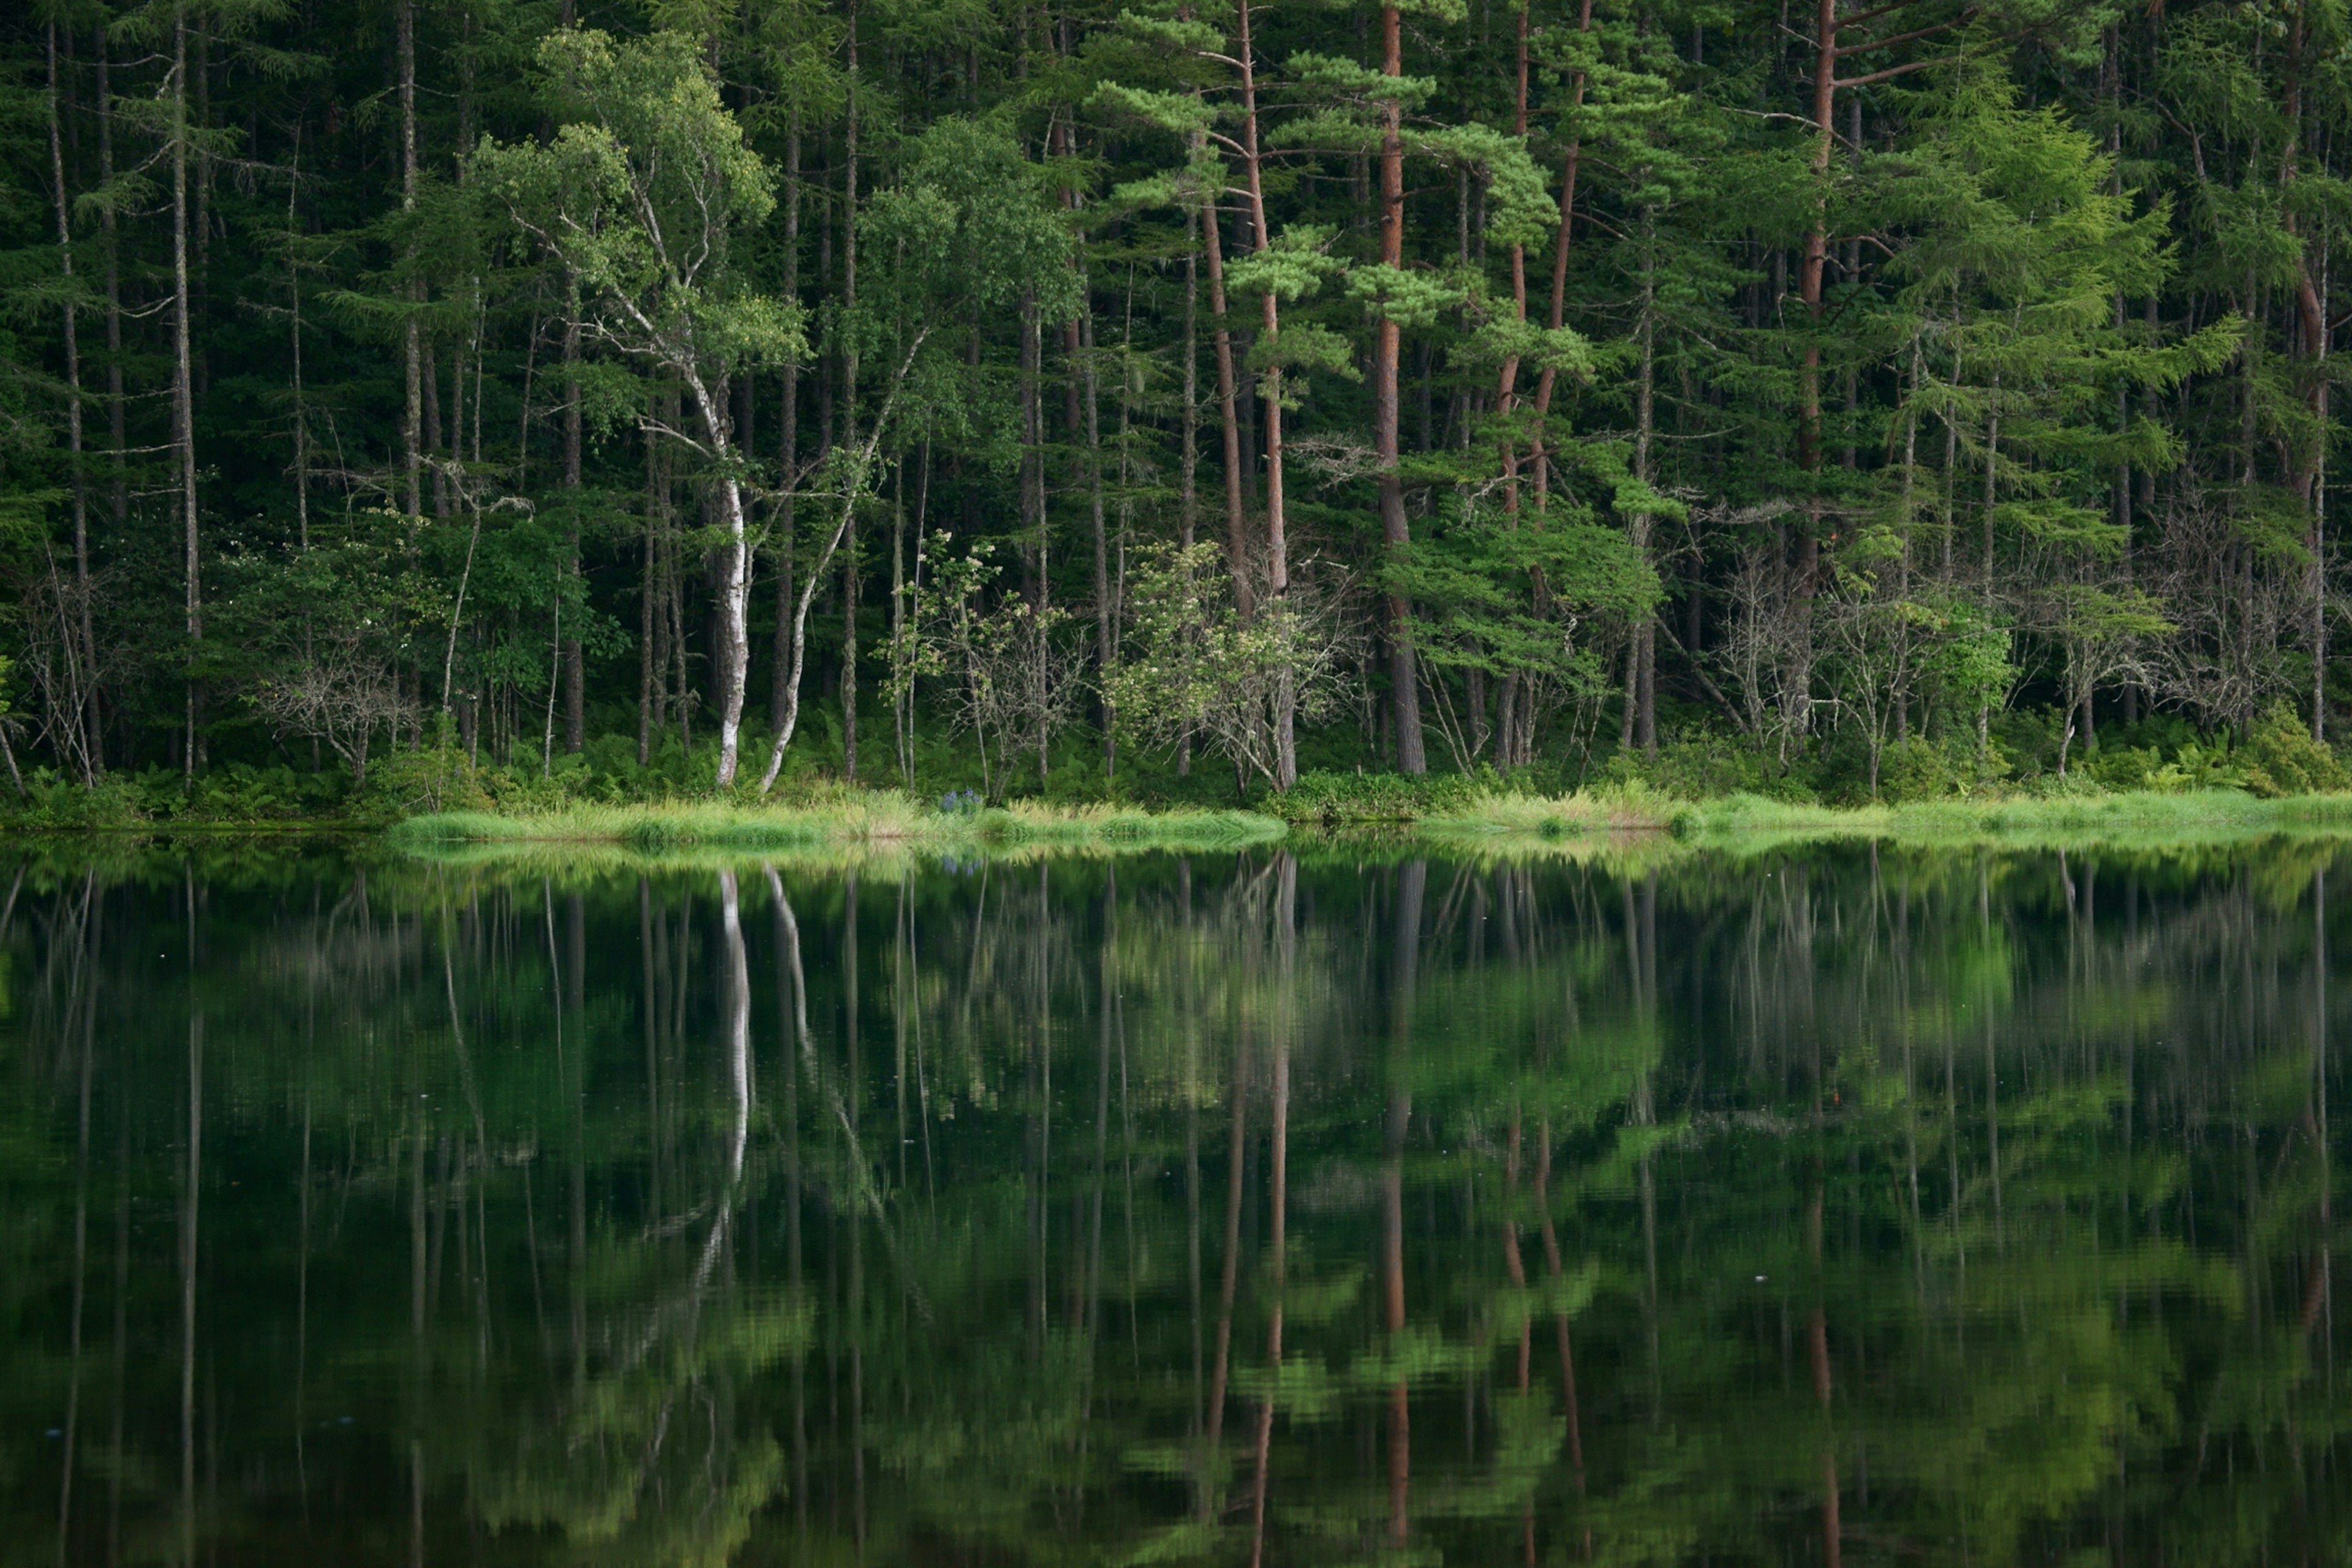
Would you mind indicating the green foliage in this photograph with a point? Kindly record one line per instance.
(483, 365)
(1341, 800)
(2281, 758)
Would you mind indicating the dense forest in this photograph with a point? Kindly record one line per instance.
(1836, 395)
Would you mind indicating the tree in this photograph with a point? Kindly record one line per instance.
(640, 197)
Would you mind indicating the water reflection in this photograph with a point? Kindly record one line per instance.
(1827, 1207)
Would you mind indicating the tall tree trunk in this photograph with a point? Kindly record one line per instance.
(1212, 221)
(412, 434)
(849, 574)
(1278, 1189)
(1508, 727)
(1188, 468)
(1404, 961)
(2310, 347)
(649, 620)
(1641, 691)
(1106, 650)
(1808, 286)
(1033, 501)
(182, 381)
(301, 403)
(1570, 165)
(1507, 379)
(117, 437)
(1387, 342)
(76, 644)
(1277, 539)
(575, 677)
(733, 654)
(788, 444)
(1188, 462)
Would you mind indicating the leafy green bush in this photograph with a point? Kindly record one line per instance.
(2279, 758)
(1335, 799)
(52, 801)
(1917, 768)
(434, 778)
(2197, 765)
(1701, 767)
(2120, 768)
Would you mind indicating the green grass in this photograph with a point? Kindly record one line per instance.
(877, 820)
(865, 825)
(1748, 821)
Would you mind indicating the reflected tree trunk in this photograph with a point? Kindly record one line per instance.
(1277, 1181)
(1404, 958)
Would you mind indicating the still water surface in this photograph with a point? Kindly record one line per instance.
(1826, 1205)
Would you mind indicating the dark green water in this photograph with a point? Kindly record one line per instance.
(1821, 1206)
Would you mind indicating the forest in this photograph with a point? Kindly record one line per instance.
(1168, 399)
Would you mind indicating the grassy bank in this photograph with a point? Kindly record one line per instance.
(878, 819)
(882, 822)
(2024, 822)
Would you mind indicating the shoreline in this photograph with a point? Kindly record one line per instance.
(1497, 822)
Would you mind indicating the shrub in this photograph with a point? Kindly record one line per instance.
(1335, 799)
(435, 778)
(2279, 758)
(2124, 767)
(52, 801)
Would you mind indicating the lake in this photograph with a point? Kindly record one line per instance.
(1814, 1206)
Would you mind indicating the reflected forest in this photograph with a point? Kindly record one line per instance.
(1856, 1206)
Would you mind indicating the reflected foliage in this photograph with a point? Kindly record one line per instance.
(1825, 1204)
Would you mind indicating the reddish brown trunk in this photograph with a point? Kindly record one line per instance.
(1228, 415)
(1387, 342)
(1570, 165)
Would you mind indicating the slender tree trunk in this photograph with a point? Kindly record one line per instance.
(733, 654)
(1404, 963)
(1188, 468)
(182, 381)
(1508, 748)
(1277, 1199)
(861, 461)
(1570, 165)
(412, 434)
(1033, 497)
(2311, 337)
(1808, 286)
(1106, 650)
(1188, 462)
(78, 645)
(1506, 380)
(116, 435)
(1212, 221)
(649, 716)
(1404, 690)
(788, 445)
(849, 572)
(1032, 457)
(1277, 539)
(575, 677)
(301, 403)
(1642, 681)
